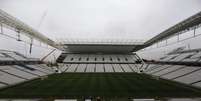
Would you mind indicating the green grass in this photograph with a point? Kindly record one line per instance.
(73, 85)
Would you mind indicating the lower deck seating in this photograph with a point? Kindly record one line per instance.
(100, 68)
(184, 74)
(14, 74)
(181, 73)
(10, 79)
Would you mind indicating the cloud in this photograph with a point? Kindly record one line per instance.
(127, 18)
(136, 19)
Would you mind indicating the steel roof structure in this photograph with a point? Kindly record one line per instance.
(16, 24)
(186, 24)
(23, 28)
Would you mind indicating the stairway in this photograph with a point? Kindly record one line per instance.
(61, 58)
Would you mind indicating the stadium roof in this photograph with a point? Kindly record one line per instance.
(82, 45)
(100, 45)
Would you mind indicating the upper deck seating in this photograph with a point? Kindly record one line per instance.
(100, 58)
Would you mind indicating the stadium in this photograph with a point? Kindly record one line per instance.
(40, 68)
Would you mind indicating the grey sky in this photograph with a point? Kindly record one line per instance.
(136, 19)
(125, 19)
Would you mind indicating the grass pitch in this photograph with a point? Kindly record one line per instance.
(75, 85)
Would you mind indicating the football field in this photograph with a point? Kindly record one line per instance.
(77, 85)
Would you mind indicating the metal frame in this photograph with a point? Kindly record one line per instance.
(186, 25)
(15, 24)
(189, 24)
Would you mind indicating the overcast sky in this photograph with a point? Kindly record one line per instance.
(134, 19)
(125, 19)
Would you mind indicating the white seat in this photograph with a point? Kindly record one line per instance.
(169, 57)
(154, 68)
(108, 68)
(45, 71)
(182, 56)
(72, 68)
(81, 67)
(18, 72)
(16, 57)
(35, 71)
(99, 68)
(117, 68)
(5, 58)
(69, 58)
(90, 68)
(180, 72)
(169, 69)
(193, 77)
(9, 79)
(65, 67)
(134, 67)
(126, 68)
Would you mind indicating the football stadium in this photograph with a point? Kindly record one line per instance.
(41, 67)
